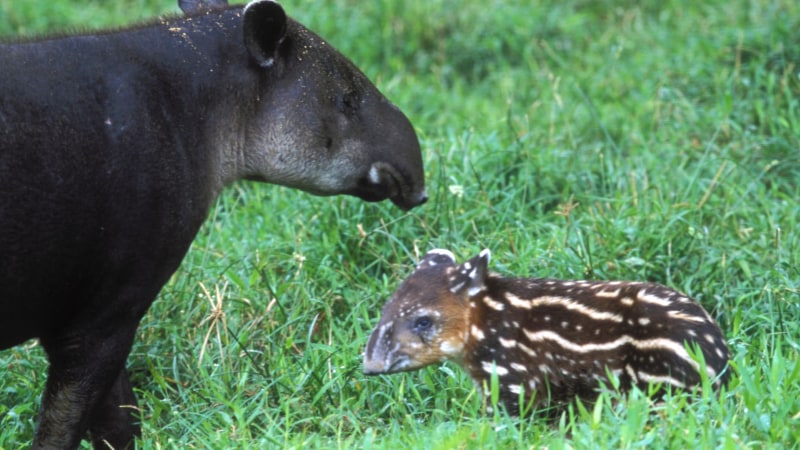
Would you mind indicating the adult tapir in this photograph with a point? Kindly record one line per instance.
(113, 146)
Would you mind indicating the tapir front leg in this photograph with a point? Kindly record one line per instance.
(114, 422)
(87, 380)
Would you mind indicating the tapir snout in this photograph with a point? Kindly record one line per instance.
(397, 174)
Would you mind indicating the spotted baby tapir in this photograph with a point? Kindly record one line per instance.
(547, 341)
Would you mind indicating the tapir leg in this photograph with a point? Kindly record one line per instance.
(85, 379)
(113, 422)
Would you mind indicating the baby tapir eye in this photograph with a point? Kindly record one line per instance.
(423, 324)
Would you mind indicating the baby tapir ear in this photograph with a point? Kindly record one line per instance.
(471, 276)
(437, 257)
(195, 6)
(264, 30)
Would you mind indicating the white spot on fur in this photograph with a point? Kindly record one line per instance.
(448, 348)
(686, 317)
(631, 372)
(490, 367)
(675, 348)
(531, 352)
(477, 333)
(508, 343)
(575, 306)
(652, 299)
(651, 378)
(440, 251)
(644, 321)
(608, 294)
(474, 290)
(457, 287)
(491, 303)
(518, 367)
(517, 302)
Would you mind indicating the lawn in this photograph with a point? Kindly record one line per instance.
(636, 140)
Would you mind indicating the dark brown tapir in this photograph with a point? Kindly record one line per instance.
(113, 146)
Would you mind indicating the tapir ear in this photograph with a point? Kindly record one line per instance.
(264, 30)
(195, 6)
(471, 276)
(437, 257)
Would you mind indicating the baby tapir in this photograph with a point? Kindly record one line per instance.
(548, 341)
(113, 146)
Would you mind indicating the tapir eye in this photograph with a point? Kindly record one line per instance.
(422, 324)
(347, 103)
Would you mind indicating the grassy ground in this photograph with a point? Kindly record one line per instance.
(646, 140)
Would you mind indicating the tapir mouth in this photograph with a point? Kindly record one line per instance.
(401, 363)
(384, 181)
(406, 203)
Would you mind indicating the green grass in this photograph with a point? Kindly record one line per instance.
(643, 140)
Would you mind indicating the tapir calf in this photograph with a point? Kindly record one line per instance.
(113, 146)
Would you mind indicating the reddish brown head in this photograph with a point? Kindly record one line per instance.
(426, 321)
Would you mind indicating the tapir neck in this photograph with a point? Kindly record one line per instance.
(198, 68)
(223, 96)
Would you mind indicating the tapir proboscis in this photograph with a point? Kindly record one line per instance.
(115, 144)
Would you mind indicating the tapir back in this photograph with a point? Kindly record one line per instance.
(94, 163)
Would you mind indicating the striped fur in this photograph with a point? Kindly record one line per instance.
(551, 340)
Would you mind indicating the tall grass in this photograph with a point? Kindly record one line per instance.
(644, 140)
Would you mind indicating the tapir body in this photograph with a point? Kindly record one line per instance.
(113, 146)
